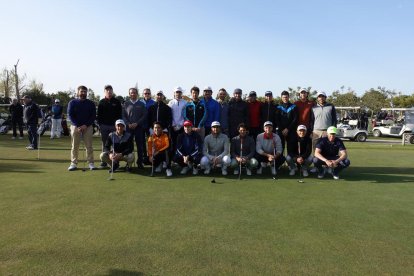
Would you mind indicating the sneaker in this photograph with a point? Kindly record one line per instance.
(321, 174)
(169, 172)
(305, 173)
(158, 168)
(92, 167)
(329, 170)
(259, 170)
(21, 137)
(236, 172)
(185, 170)
(292, 172)
(335, 176)
(128, 169)
(13, 137)
(207, 170)
(273, 169)
(30, 148)
(224, 171)
(248, 171)
(72, 167)
(103, 165)
(195, 171)
(51, 137)
(164, 165)
(314, 170)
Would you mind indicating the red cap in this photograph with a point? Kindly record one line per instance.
(188, 123)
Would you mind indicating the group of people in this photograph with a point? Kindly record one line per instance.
(205, 134)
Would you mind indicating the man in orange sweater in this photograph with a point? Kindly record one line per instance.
(304, 108)
(158, 145)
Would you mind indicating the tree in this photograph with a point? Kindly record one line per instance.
(35, 91)
(341, 98)
(92, 96)
(17, 81)
(404, 101)
(375, 100)
(6, 83)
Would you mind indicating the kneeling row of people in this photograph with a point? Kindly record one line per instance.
(242, 151)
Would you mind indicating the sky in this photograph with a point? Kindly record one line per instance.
(253, 45)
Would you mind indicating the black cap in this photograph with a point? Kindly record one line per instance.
(237, 91)
(252, 94)
(268, 93)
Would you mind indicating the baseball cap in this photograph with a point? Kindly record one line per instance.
(188, 123)
(300, 127)
(160, 93)
(120, 122)
(178, 89)
(252, 94)
(57, 101)
(215, 124)
(267, 123)
(321, 94)
(237, 91)
(208, 88)
(303, 91)
(268, 93)
(331, 130)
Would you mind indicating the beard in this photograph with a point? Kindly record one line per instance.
(82, 96)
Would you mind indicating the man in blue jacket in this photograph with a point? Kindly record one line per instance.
(213, 109)
(31, 116)
(81, 113)
(57, 111)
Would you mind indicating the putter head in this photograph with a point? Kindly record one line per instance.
(301, 181)
(213, 181)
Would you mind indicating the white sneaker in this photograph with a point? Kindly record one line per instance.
(336, 177)
(305, 173)
(164, 165)
(92, 166)
(13, 137)
(72, 167)
(158, 168)
(273, 169)
(292, 172)
(248, 171)
(169, 172)
(259, 170)
(195, 171)
(329, 170)
(207, 170)
(236, 172)
(20, 137)
(224, 171)
(185, 170)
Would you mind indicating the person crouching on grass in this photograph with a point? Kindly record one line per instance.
(189, 149)
(330, 152)
(158, 145)
(118, 147)
(243, 150)
(299, 150)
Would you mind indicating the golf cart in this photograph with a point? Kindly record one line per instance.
(352, 123)
(395, 122)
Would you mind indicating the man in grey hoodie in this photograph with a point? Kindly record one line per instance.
(216, 150)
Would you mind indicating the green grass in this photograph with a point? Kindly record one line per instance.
(57, 222)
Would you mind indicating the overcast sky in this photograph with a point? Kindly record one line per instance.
(253, 45)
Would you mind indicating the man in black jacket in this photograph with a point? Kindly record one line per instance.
(16, 112)
(160, 112)
(299, 151)
(268, 110)
(31, 116)
(238, 113)
(288, 117)
(109, 110)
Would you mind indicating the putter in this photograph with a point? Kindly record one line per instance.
(84, 153)
(111, 177)
(241, 157)
(274, 159)
(214, 166)
(38, 148)
(152, 161)
(300, 167)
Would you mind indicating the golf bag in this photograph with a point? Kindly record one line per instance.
(65, 129)
(46, 124)
(5, 125)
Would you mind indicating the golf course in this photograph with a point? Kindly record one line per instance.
(55, 222)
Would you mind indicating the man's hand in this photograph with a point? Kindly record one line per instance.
(299, 160)
(285, 132)
(132, 126)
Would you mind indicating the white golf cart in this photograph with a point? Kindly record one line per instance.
(352, 123)
(396, 123)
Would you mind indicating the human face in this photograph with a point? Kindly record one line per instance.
(194, 95)
(269, 98)
(82, 94)
(268, 129)
(237, 96)
(178, 95)
(207, 94)
(188, 129)
(26, 100)
(120, 129)
(321, 100)
(301, 133)
(109, 93)
(331, 137)
(157, 129)
(252, 99)
(285, 99)
(159, 98)
(222, 95)
(303, 96)
(242, 132)
(215, 130)
(133, 94)
(147, 94)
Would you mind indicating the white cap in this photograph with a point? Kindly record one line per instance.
(178, 89)
(215, 123)
(208, 88)
(300, 127)
(160, 92)
(120, 122)
(267, 123)
(321, 94)
(57, 101)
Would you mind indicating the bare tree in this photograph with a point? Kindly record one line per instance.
(6, 83)
(17, 80)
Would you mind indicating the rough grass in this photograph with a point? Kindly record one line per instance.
(55, 222)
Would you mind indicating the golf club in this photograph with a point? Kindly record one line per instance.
(152, 161)
(274, 158)
(214, 166)
(38, 148)
(111, 177)
(84, 153)
(300, 166)
(241, 157)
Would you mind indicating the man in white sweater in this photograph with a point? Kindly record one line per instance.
(177, 105)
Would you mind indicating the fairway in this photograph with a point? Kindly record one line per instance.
(55, 222)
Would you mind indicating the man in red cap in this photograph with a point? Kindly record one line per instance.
(189, 149)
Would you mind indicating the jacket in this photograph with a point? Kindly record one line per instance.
(288, 117)
(134, 113)
(268, 112)
(160, 112)
(196, 112)
(264, 145)
(304, 113)
(109, 110)
(177, 107)
(304, 143)
(189, 144)
(213, 111)
(121, 144)
(157, 143)
(81, 112)
(216, 146)
(248, 150)
(322, 117)
(238, 113)
(16, 111)
(31, 113)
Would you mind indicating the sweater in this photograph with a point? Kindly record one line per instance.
(267, 145)
(177, 107)
(109, 110)
(134, 113)
(81, 112)
(216, 146)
